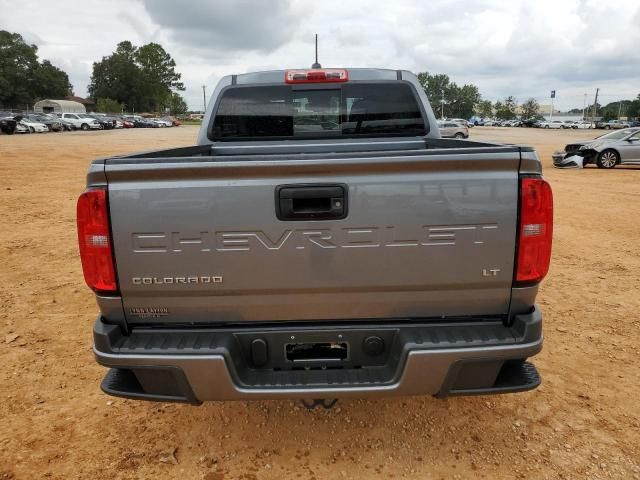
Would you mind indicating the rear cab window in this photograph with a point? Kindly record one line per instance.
(356, 109)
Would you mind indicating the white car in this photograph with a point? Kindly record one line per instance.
(34, 127)
(161, 122)
(20, 128)
(553, 124)
(582, 125)
(80, 120)
(460, 121)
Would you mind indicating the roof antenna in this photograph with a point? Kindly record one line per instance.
(316, 64)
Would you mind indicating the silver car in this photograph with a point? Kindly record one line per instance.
(607, 151)
(452, 130)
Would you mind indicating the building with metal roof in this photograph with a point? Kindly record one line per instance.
(59, 106)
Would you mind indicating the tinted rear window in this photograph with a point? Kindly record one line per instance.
(285, 111)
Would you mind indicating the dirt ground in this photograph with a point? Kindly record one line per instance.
(582, 423)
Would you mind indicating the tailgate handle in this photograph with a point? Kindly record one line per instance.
(311, 202)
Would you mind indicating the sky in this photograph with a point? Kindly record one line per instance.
(523, 48)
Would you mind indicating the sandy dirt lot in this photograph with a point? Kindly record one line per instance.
(583, 422)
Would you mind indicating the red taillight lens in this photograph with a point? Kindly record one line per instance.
(325, 75)
(535, 231)
(94, 238)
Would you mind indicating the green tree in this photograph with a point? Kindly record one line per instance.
(634, 108)
(17, 63)
(118, 77)
(613, 110)
(176, 104)
(530, 108)
(48, 81)
(108, 105)
(498, 107)
(459, 102)
(142, 78)
(158, 72)
(22, 78)
(507, 110)
(463, 101)
(484, 109)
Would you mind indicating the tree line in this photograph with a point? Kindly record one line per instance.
(452, 101)
(24, 78)
(131, 78)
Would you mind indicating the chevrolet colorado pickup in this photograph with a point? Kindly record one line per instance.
(320, 241)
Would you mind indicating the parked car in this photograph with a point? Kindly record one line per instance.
(160, 123)
(67, 126)
(167, 120)
(7, 123)
(80, 121)
(606, 151)
(106, 123)
(53, 123)
(461, 121)
(410, 269)
(615, 125)
(634, 123)
(530, 123)
(490, 123)
(32, 125)
(20, 128)
(553, 124)
(580, 125)
(449, 129)
(140, 122)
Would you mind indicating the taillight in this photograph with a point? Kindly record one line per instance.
(94, 237)
(325, 75)
(535, 231)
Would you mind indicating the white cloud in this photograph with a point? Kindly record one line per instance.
(519, 48)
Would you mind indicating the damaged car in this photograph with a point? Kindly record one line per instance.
(606, 151)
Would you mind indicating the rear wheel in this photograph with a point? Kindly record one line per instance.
(85, 127)
(32, 130)
(459, 136)
(608, 159)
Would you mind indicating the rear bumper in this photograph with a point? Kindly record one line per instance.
(194, 365)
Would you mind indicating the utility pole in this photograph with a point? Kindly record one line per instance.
(204, 98)
(442, 107)
(619, 108)
(553, 95)
(584, 104)
(595, 107)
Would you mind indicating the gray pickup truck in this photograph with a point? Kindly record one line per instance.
(320, 241)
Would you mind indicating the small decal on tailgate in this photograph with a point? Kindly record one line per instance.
(186, 280)
(149, 312)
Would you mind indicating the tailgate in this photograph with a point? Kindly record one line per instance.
(428, 234)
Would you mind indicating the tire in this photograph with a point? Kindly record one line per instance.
(84, 127)
(458, 136)
(608, 127)
(546, 126)
(608, 159)
(32, 130)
